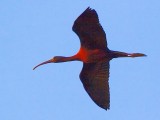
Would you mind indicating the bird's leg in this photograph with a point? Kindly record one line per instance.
(136, 55)
(116, 54)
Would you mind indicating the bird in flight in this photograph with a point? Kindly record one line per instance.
(95, 56)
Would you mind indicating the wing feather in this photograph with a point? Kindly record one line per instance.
(94, 77)
(89, 30)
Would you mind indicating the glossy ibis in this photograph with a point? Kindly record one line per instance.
(95, 56)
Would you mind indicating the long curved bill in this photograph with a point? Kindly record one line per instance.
(46, 62)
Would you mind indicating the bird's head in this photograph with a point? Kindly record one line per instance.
(53, 60)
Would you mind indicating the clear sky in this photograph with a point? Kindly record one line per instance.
(32, 31)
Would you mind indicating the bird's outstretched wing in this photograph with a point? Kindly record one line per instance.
(89, 30)
(94, 77)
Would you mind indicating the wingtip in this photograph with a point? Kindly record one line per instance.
(89, 8)
(106, 108)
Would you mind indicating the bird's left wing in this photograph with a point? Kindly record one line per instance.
(89, 30)
(94, 77)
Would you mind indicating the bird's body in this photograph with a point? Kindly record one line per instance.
(95, 56)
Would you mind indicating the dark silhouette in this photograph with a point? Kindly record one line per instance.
(95, 56)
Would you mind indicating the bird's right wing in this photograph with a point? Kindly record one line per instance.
(94, 77)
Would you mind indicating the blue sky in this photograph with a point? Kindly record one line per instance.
(32, 31)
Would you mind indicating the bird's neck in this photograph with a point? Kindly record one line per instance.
(66, 59)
